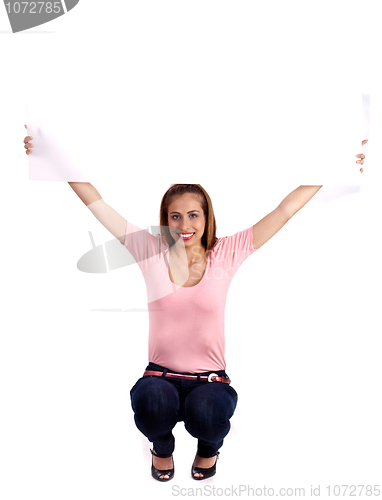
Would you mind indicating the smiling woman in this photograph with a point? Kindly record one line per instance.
(186, 328)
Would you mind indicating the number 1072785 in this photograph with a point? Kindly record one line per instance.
(34, 7)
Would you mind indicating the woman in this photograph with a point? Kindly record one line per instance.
(188, 271)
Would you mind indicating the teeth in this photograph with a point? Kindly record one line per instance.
(186, 235)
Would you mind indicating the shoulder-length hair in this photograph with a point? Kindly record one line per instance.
(209, 236)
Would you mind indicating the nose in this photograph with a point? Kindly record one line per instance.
(186, 228)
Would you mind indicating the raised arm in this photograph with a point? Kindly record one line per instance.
(107, 216)
(274, 221)
(86, 192)
(89, 195)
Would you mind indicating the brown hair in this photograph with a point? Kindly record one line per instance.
(209, 237)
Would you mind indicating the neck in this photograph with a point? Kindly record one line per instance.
(194, 253)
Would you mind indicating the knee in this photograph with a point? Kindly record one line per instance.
(211, 409)
(155, 398)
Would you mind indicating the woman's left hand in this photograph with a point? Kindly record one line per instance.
(361, 156)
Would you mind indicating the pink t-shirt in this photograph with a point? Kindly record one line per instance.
(186, 324)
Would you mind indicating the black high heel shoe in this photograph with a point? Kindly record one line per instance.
(156, 473)
(211, 471)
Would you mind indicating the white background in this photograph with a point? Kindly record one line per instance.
(302, 321)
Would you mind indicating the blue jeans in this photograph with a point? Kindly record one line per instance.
(204, 407)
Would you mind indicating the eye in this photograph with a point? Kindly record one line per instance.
(175, 217)
(193, 215)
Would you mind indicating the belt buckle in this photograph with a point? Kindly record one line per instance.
(212, 375)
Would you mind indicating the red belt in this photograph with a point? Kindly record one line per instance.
(212, 377)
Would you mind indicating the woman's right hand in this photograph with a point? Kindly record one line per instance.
(27, 144)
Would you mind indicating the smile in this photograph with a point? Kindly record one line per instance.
(186, 236)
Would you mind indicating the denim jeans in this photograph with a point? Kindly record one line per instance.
(204, 407)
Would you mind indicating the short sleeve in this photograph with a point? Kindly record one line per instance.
(233, 250)
(143, 246)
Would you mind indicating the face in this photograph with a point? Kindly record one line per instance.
(186, 219)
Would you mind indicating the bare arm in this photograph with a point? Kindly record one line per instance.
(107, 216)
(85, 191)
(274, 221)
